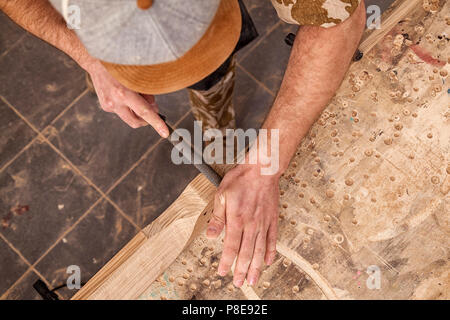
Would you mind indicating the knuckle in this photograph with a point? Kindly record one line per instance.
(120, 93)
(108, 105)
(229, 253)
(245, 259)
(260, 251)
(235, 224)
(145, 112)
(255, 270)
(251, 226)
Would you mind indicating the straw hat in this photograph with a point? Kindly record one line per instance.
(156, 46)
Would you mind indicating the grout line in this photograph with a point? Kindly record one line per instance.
(18, 154)
(74, 168)
(15, 44)
(133, 166)
(256, 80)
(92, 184)
(67, 231)
(81, 95)
(7, 292)
(123, 214)
(26, 273)
(46, 282)
(145, 155)
(118, 181)
(30, 268)
(258, 41)
(20, 115)
(35, 129)
(102, 197)
(15, 249)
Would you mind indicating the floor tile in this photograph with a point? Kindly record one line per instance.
(100, 144)
(39, 80)
(173, 105)
(10, 34)
(90, 245)
(251, 102)
(263, 14)
(23, 290)
(268, 61)
(15, 134)
(264, 17)
(153, 185)
(12, 267)
(40, 197)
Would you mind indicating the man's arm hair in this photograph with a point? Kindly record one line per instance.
(319, 60)
(40, 18)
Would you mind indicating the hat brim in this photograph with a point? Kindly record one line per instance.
(216, 45)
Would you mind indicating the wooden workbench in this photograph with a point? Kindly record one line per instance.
(368, 187)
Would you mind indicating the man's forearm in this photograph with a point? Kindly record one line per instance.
(319, 60)
(41, 19)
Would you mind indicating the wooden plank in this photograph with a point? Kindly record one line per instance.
(368, 186)
(131, 271)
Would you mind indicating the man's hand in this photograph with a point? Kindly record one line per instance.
(133, 108)
(246, 203)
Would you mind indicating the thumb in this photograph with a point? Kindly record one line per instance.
(217, 221)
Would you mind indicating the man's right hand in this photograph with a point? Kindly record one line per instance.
(137, 110)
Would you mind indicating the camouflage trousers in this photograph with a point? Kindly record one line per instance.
(214, 107)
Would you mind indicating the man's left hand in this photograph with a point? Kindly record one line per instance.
(246, 203)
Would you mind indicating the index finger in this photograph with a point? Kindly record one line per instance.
(143, 109)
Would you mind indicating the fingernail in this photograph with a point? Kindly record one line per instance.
(252, 281)
(163, 132)
(238, 283)
(222, 273)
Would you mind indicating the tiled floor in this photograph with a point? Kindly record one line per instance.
(76, 183)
